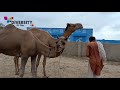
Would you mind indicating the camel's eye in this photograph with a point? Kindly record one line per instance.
(59, 46)
(68, 24)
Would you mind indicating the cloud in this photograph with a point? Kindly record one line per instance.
(110, 32)
(105, 24)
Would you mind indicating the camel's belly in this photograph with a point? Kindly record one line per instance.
(10, 52)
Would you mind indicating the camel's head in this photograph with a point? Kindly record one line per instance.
(71, 28)
(52, 52)
(61, 45)
(58, 49)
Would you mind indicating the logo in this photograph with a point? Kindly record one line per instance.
(18, 23)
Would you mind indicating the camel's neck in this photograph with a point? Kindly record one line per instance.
(67, 33)
(52, 42)
(42, 48)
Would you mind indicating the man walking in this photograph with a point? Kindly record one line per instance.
(96, 54)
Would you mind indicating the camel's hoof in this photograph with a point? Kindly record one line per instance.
(17, 73)
(34, 76)
(21, 76)
(45, 76)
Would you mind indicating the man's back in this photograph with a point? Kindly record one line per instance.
(93, 52)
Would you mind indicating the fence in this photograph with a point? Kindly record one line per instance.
(79, 49)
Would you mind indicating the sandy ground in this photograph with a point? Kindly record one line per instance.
(60, 67)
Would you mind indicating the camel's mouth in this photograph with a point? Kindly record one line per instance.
(60, 46)
(80, 26)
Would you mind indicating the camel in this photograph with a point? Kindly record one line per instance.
(22, 43)
(50, 41)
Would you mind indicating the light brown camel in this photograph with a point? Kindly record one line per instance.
(24, 44)
(50, 41)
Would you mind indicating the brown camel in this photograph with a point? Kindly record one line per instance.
(24, 44)
(50, 41)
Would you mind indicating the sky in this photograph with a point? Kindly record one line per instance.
(106, 25)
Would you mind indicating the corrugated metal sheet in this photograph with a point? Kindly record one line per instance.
(79, 35)
(110, 41)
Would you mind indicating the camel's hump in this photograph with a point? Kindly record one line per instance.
(9, 26)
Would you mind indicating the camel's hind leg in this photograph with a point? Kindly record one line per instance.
(16, 61)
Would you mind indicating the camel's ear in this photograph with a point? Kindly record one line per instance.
(68, 24)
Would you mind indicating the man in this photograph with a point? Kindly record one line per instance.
(96, 53)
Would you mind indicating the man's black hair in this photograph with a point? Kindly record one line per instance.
(92, 39)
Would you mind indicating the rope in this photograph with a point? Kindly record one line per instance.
(59, 74)
(59, 66)
(38, 39)
(60, 60)
(41, 43)
(49, 52)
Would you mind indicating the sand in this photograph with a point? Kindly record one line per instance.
(60, 67)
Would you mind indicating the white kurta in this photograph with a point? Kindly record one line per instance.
(101, 51)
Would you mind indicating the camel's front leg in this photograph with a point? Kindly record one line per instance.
(33, 66)
(16, 61)
(23, 63)
(44, 64)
